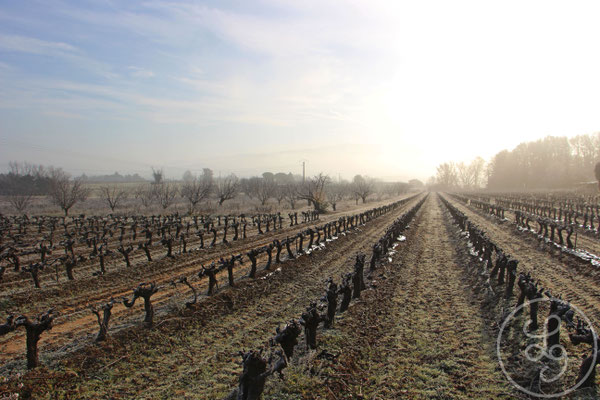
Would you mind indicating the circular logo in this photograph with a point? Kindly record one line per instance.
(551, 361)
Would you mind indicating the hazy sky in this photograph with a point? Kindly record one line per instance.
(384, 88)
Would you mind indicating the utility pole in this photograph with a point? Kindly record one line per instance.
(303, 172)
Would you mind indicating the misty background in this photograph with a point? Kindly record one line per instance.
(389, 90)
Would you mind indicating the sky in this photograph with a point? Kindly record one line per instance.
(388, 89)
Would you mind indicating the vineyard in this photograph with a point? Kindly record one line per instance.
(404, 299)
(292, 200)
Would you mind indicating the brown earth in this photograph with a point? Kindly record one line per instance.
(76, 326)
(420, 334)
(424, 331)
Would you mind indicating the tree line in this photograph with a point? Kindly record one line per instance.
(550, 163)
(24, 181)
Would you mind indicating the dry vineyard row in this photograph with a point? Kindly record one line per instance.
(316, 239)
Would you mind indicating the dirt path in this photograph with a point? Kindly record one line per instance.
(420, 335)
(577, 284)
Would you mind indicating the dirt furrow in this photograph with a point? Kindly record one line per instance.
(558, 274)
(420, 335)
(592, 245)
(15, 283)
(213, 347)
(71, 333)
(29, 299)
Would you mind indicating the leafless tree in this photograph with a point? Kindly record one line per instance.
(447, 176)
(24, 169)
(20, 202)
(336, 192)
(66, 192)
(227, 188)
(166, 193)
(279, 194)
(400, 188)
(262, 188)
(248, 185)
(431, 182)
(114, 195)
(290, 193)
(363, 187)
(391, 189)
(415, 183)
(195, 189)
(22, 182)
(477, 168)
(388, 189)
(313, 190)
(158, 175)
(464, 175)
(146, 194)
(470, 175)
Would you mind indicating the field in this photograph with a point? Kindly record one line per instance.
(426, 325)
(96, 204)
(299, 200)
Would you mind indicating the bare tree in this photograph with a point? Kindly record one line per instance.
(146, 194)
(400, 188)
(431, 182)
(114, 195)
(265, 189)
(227, 188)
(22, 182)
(18, 197)
(20, 202)
(477, 169)
(313, 190)
(247, 185)
(415, 183)
(336, 192)
(195, 189)
(290, 193)
(388, 189)
(355, 197)
(158, 175)
(165, 193)
(66, 192)
(26, 169)
(279, 194)
(447, 176)
(363, 187)
(470, 175)
(464, 175)
(261, 188)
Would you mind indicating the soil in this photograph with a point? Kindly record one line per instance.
(76, 326)
(423, 329)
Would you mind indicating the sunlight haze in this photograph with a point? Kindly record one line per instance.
(387, 89)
